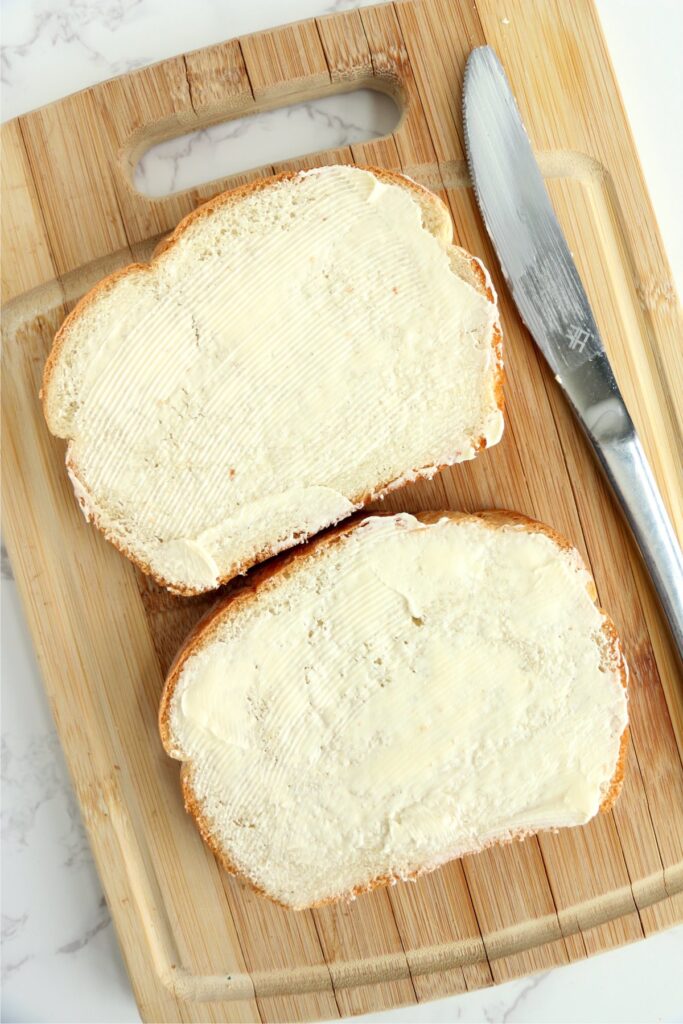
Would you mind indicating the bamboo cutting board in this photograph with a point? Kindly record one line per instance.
(197, 944)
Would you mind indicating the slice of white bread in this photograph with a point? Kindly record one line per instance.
(397, 693)
(296, 348)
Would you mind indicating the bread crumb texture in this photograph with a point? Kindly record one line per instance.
(396, 696)
(297, 347)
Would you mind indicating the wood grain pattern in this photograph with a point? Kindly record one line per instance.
(284, 62)
(198, 945)
(346, 48)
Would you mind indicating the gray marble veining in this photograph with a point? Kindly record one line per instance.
(5, 564)
(275, 135)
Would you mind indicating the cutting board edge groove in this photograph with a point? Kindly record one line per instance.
(140, 221)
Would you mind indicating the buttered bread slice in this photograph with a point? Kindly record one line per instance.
(296, 348)
(400, 692)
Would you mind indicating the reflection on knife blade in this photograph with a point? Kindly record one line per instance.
(546, 287)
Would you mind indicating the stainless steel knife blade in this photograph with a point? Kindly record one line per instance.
(545, 285)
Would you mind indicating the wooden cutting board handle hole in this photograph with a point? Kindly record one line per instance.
(209, 153)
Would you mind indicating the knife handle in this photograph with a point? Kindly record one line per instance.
(629, 472)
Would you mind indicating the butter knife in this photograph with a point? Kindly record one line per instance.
(547, 290)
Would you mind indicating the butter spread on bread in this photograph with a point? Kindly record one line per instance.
(296, 348)
(400, 692)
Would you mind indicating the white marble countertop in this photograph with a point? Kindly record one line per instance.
(60, 957)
